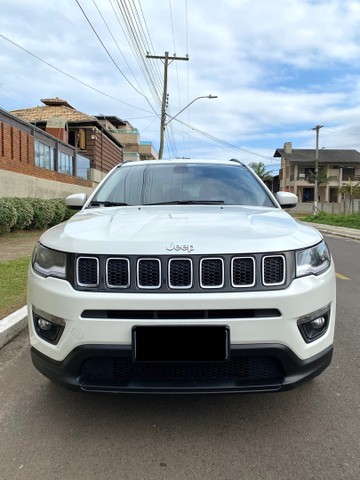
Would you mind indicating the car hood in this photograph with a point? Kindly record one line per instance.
(180, 229)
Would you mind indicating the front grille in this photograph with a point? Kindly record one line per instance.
(117, 370)
(196, 273)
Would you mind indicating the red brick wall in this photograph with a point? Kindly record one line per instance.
(59, 133)
(102, 151)
(17, 155)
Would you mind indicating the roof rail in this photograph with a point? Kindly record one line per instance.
(237, 161)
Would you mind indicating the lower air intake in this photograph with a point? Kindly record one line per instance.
(116, 371)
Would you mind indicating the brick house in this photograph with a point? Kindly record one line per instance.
(36, 163)
(134, 148)
(342, 167)
(84, 133)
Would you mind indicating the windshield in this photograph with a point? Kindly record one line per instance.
(180, 183)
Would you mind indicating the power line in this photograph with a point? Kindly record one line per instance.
(222, 142)
(176, 66)
(117, 45)
(70, 76)
(130, 41)
(109, 54)
(136, 37)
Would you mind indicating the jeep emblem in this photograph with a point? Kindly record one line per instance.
(177, 248)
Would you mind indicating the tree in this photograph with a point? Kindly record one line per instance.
(323, 178)
(353, 190)
(260, 169)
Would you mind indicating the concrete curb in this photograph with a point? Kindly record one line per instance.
(12, 325)
(352, 233)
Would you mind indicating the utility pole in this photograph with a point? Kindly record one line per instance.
(166, 60)
(315, 208)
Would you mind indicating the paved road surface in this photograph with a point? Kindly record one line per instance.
(312, 433)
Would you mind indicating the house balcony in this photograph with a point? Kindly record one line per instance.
(147, 151)
(131, 156)
(126, 137)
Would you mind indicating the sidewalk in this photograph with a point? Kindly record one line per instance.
(21, 247)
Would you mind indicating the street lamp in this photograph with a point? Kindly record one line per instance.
(316, 184)
(188, 105)
(164, 123)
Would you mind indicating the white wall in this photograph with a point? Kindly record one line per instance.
(18, 185)
(331, 208)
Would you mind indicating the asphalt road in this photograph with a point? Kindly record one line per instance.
(311, 433)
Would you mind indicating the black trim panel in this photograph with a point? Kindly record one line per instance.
(294, 371)
(182, 314)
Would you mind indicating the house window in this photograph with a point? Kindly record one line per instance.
(82, 139)
(348, 173)
(333, 195)
(65, 163)
(82, 167)
(44, 155)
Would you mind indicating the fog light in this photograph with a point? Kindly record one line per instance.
(48, 327)
(315, 324)
(44, 324)
(318, 323)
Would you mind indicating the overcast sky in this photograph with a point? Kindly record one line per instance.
(278, 68)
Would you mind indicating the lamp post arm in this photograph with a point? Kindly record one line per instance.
(188, 105)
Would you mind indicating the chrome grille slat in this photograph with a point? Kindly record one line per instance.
(87, 271)
(149, 273)
(273, 270)
(211, 272)
(180, 273)
(243, 272)
(117, 273)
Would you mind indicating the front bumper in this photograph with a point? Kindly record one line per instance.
(250, 368)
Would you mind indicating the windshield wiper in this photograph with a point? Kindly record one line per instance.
(96, 203)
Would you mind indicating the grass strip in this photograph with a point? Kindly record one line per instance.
(13, 284)
(349, 221)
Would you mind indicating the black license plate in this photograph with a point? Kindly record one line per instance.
(180, 343)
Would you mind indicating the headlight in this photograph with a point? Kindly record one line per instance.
(49, 263)
(313, 260)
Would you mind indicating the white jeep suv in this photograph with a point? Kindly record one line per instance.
(181, 276)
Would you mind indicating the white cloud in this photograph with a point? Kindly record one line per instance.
(278, 68)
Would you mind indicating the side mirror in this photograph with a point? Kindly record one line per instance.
(76, 201)
(286, 199)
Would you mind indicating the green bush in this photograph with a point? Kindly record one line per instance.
(68, 213)
(59, 210)
(25, 212)
(32, 213)
(8, 215)
(44, 212)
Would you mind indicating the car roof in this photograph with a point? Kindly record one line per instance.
(184, 161)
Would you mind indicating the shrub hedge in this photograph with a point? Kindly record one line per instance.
(8, 215)
(31, 213)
